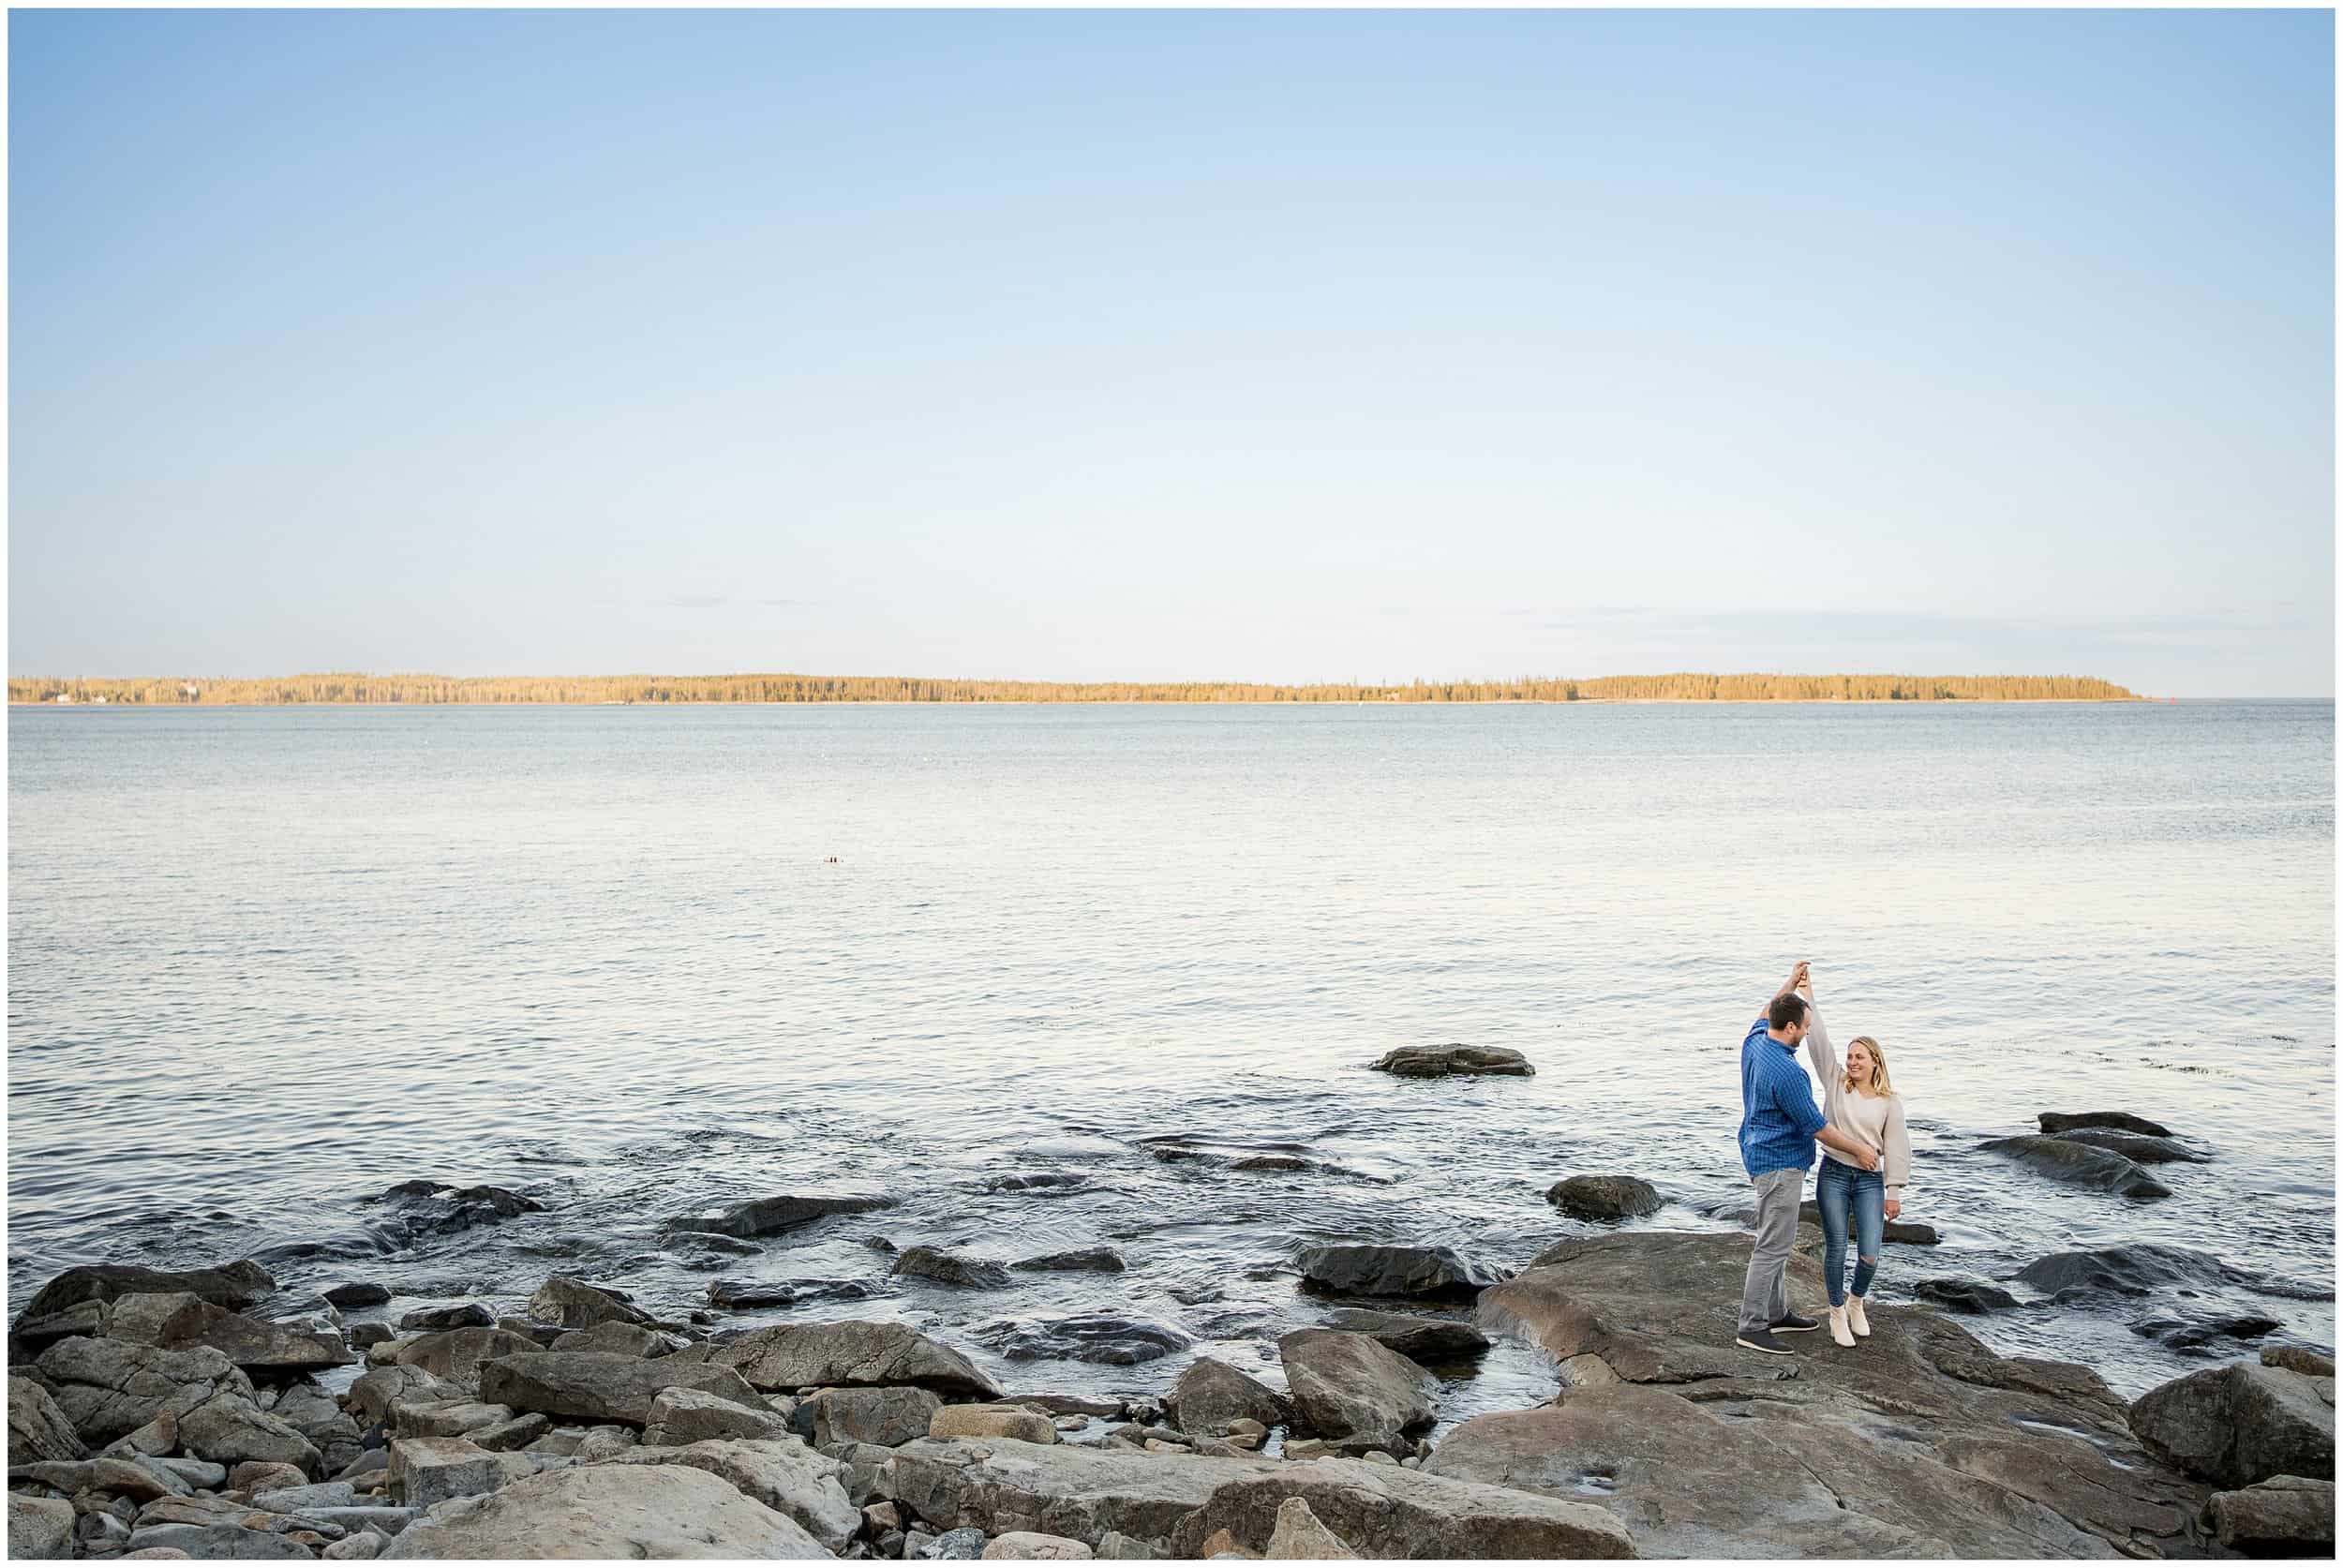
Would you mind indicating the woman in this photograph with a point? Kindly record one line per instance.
(1860, 1103)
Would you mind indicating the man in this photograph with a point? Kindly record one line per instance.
(1780, 1123)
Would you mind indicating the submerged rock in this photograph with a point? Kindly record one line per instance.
(2120, 1121)
(1104, 1339)
(2135, 1269)
(1605, 1198)
(1364, 1269)
(437, 1319)
(768, 1216)
(947, 1268)
(2188, 1332)
(1271, 1162)
(1703, 1450)
(1102, 1259)
(610, 1511)
(2136, 1146)
(357, 1293)
(1420, 1339)
(438, 1208)
(2241, 1423)
(1963, 1295)
(2080, 1165)
(1448, 1061)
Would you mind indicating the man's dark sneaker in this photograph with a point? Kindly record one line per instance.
(1792, 1324)
(1762, 1339)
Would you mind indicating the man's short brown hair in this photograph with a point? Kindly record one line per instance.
(1785, 1011)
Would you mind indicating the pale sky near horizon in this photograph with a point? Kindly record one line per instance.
(1162, 346)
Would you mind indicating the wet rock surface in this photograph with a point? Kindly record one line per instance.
(1452, 1061)
(2241, 1423)
(2138, 1147)
(1702, 1449)
(2117, 1121)
(771, 1217)
(1355, 1393)
(848, 1353)
(2080, 1165)
(1425, 1340)
(1368, 1269)
(1605, 1198)
(1106, 1338)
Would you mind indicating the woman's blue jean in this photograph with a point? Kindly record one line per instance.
(1842, 1191)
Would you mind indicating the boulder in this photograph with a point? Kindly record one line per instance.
(37, 1429)
(790, 1357)
(948, 1268)
(108, 1388)
(992, 1421)
(1382, 1511)
(254, 1476)
(782, 1474)
(1451, 1061)
(33, 1335)
(427, 1472)
(195, 1472)
(140, 1316)
(1211, 1395)
(2144, 1151)
(618, 1338)
(2241, 1423)
(611, 1512)
(1701, 1450)
(457, 1355)
(768, 1216)
(436, 1208)
(247, 1342)
(216, 1541)
(141, 1481)
(573, 1304)
(445, 1418)
(227, 1428)
(736, 1295)
(1962, 1294)
(308, 1409)
(306, 1499)
(237, 1284)
(598, 1387)
(881, 1416)
(1094, 1260)
(1605, 1198)
(681, 1416)
(1359, 1269)
(2298, 1358)
(505, 1437)
(1026, 1546)
(953, 1546)
(2136, 1270)
(40, 1530)
(1418, 1339)
(159, 1436)
(439, 1320)
(373, 1394)
(2287, 1516)
(2081, 1165)
(1086, 1494)
(357, 1293)
(1353, 1391)
(1299, 1537)
(1105, 1339)
(2120, 1121)
(2203, 1332)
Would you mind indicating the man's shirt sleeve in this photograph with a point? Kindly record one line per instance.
(1794, 1095)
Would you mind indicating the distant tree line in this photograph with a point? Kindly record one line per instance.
(883, 687)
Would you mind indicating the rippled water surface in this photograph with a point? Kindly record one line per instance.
(639, 961)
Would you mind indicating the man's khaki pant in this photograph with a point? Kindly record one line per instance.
(1765, 1294)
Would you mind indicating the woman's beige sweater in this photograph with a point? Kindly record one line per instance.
(1876, 1120)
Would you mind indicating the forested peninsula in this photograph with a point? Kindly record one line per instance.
(376, 689)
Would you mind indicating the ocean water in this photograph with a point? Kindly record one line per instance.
(641, 962)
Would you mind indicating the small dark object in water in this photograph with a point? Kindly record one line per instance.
(1448, 1061)
(2122, 1121)
(1963, 1295)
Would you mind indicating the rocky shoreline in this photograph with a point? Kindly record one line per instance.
(207, 1413)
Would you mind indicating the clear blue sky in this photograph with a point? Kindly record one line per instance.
(1277, 346)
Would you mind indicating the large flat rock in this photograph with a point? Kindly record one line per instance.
(844, 1354)
(592, 1386)
(611, 1512)
(998, 1486)
(1919, 1440)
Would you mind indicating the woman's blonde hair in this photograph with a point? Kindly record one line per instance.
(1878, 1085)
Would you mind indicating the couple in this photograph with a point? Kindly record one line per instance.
(1862, 1127)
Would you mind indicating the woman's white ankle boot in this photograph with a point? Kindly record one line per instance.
(1855, 1318)
(1837, 1327)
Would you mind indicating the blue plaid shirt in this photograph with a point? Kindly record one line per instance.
(1778, 1116)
